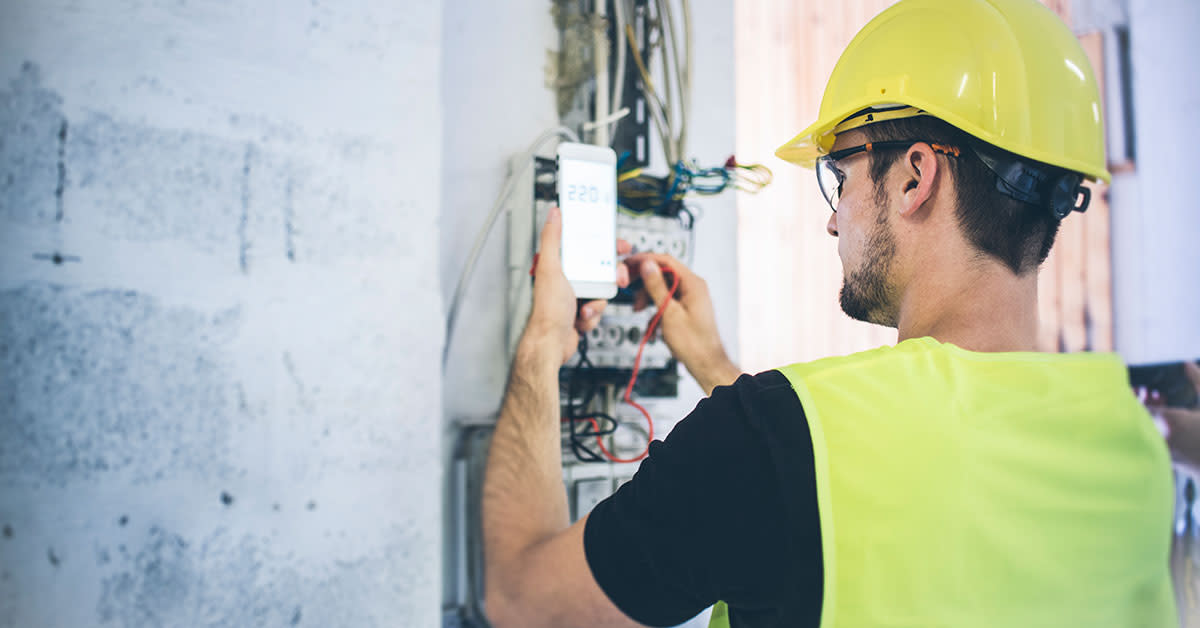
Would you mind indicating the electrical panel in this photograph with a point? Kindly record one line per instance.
(612, 347)
(601, 76)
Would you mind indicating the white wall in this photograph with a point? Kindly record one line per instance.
(1155, 211)
(219, 410)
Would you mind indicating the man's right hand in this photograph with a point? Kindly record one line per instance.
(689, 324)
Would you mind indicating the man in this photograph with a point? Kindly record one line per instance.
(955, 479)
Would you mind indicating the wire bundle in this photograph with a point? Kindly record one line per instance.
(750, 178)
(591, 420)
(668, 107)
(640, 193)
(581, 424)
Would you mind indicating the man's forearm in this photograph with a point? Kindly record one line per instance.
(719, 371)
(523, 497)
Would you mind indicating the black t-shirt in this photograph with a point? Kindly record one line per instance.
(724, 509)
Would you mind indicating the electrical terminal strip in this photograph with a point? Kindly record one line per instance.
(614, 342)
(656, 234)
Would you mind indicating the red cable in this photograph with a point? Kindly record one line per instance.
(633, 378)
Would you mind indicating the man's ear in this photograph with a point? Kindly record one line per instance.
(918, 173)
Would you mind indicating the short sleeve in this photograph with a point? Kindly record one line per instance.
(723, 509)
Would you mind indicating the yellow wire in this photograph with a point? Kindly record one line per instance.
(637, 57)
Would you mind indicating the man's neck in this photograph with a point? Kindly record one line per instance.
(986, 308)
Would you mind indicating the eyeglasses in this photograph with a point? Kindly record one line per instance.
(830, 178)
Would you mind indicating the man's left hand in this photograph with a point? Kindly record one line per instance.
(557, 316)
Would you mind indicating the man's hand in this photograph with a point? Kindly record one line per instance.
(689, 323)
(1184, 424)
(535, 570)
(557, 317)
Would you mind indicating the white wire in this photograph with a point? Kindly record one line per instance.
(611, 118)
(619, 77)
(682, 73)
(600, 58)
(670, 52)
(473, 257)
(685, 76)
(653, 102)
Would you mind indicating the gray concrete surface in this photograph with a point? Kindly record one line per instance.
(220, 316)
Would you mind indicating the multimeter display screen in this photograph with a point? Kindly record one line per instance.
(587, 193)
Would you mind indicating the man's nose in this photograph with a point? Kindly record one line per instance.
(831, 226)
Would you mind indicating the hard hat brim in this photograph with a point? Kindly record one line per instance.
(818, 138)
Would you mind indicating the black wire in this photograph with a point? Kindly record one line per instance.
(598, 431)
(582, 452)
(577, 412)
(691, 218)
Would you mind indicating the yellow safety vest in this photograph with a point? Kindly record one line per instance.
(1009, 490)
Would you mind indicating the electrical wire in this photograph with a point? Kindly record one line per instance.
(618, 89)
(677, 111)
(601, 85)
(670, 115)
(522, 165)
(750, 178)
(666, 29)
(685, 74)
(653, 102)
(637, 361)
(577, 413)
(639, 193)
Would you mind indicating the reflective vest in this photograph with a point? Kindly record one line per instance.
(958, 488)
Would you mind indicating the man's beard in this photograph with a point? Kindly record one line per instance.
(866, 292)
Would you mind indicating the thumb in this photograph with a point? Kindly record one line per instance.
(551, 241)
(652, 278)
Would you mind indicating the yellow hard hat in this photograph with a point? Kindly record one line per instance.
(1008, 72)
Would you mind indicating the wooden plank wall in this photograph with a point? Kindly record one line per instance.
(789, 272)
(1075, 287)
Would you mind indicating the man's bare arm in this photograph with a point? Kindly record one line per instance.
(536, 573)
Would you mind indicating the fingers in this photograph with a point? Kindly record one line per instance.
(624, 247)
(622, 276)
(589, 315)
(551, 241)
(653, 280)
(640, 300)
(634, 264)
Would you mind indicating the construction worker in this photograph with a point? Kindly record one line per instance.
(957, 478)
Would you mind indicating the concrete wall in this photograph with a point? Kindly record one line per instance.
(220, 317)
(1155, 211)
